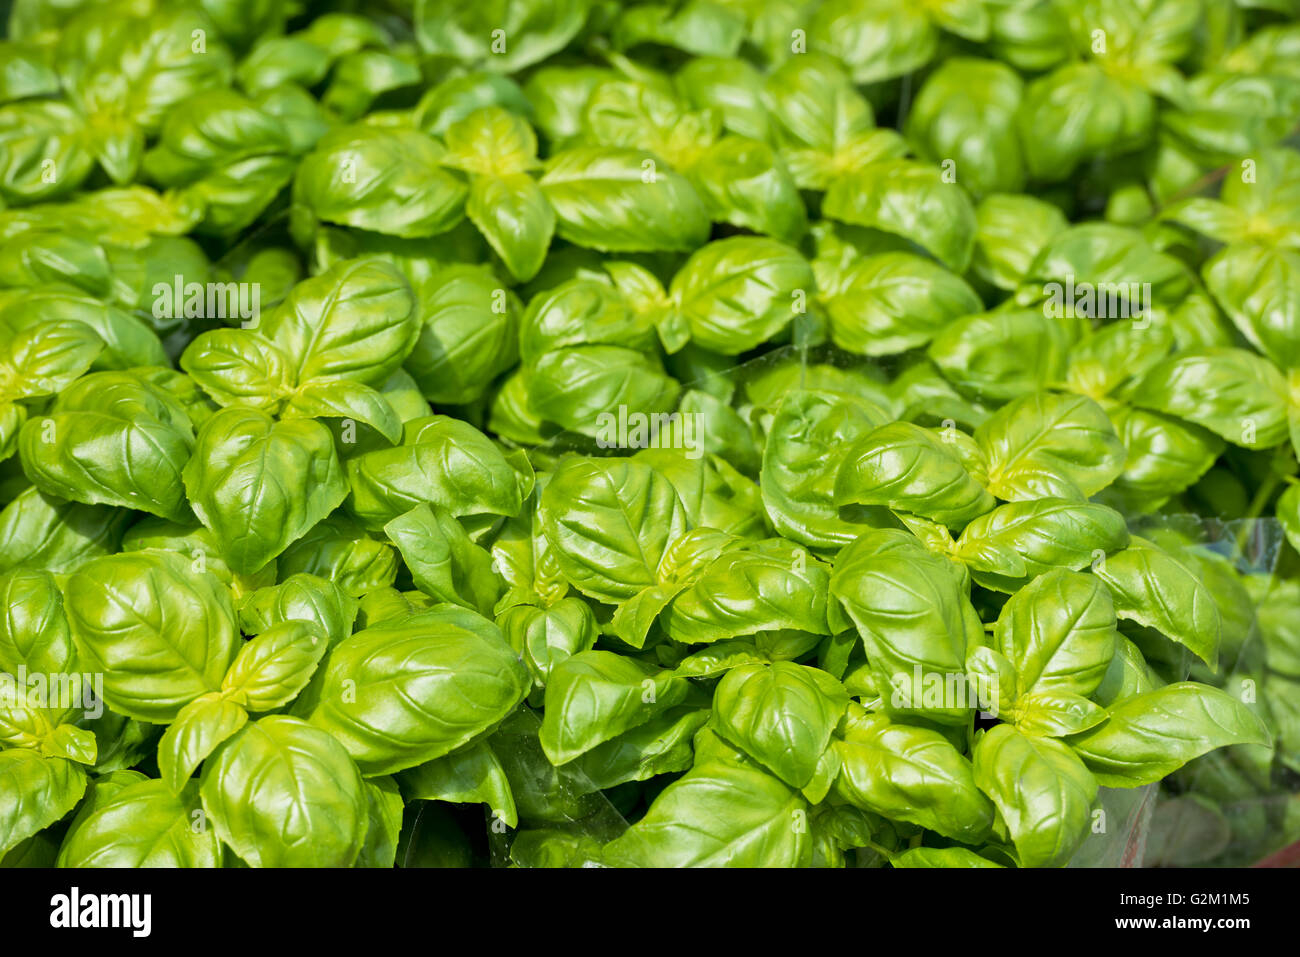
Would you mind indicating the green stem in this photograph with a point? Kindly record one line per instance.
(883, 852)
(1263, 494)
(1257, 505)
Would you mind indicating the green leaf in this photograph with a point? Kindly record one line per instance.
(258, 484)
(285, 794)
(640, 112)
(911, 774)
(356, 320)
(875, 40)
(660, 746)
(471, 775)
(515, 217)
(911, 469)
(994, 677)
(1260, 290)
(718, 658)
(384, 804)
(407, 691)
(128, 341)
(142, 825)
(594, 696)
(546, 636)
(1050, 446)
(823, 125)
(587, 389)
(34, 632)
(1010, 231)
(1149, 736)
(736, 293)
(1106, 261)
(701, 27)
(1155, 589)
(916, 623)
(198, 730)
(73, 452)
(806, 441)
(1055, 714)
(1128, 675)
(743, 593)
(1042, 790)
(386, 179)
(302, 597)
(893, 301)
(1233, 393)
(444, 563)
(782, 715)
(1093, 112)
(39, 531)
(469, 333)
(441, 461)
(340, 399)
(491, 141)
(1024, 539)
(226, 155)
(1165, 456)
(272, 668)
(73, 744)
(44, 359)
(35, 791)
(339, 550)
(1288, 513)
(586, 311)
(941, 857)
(1059, 633)
(532, 31)
(719, 815)
(33, 135)
(161, 633)
(965, 113)
(1002, 355)
(911, 200)
(610, 523)
(238, 367)
(622, 200)
(744, 182)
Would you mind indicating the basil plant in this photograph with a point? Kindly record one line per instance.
(816, 433)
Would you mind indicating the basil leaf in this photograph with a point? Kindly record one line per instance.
(1231, 392)
(161, 633)
(1050, 446)
(912, 774)
(199, 729)
(911, 469)
(142, 825)
(736, 293)
(1059, 633)
(282, 793)
(1042, 790)
(622, 200)
(407, 691)
(292, 466)
(37, 791)
(610, 525)
(386, 179)
(782, 715)
(1155, 589)
(910, 200)
(1148, 736)
(718, 815)
(594, 696)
